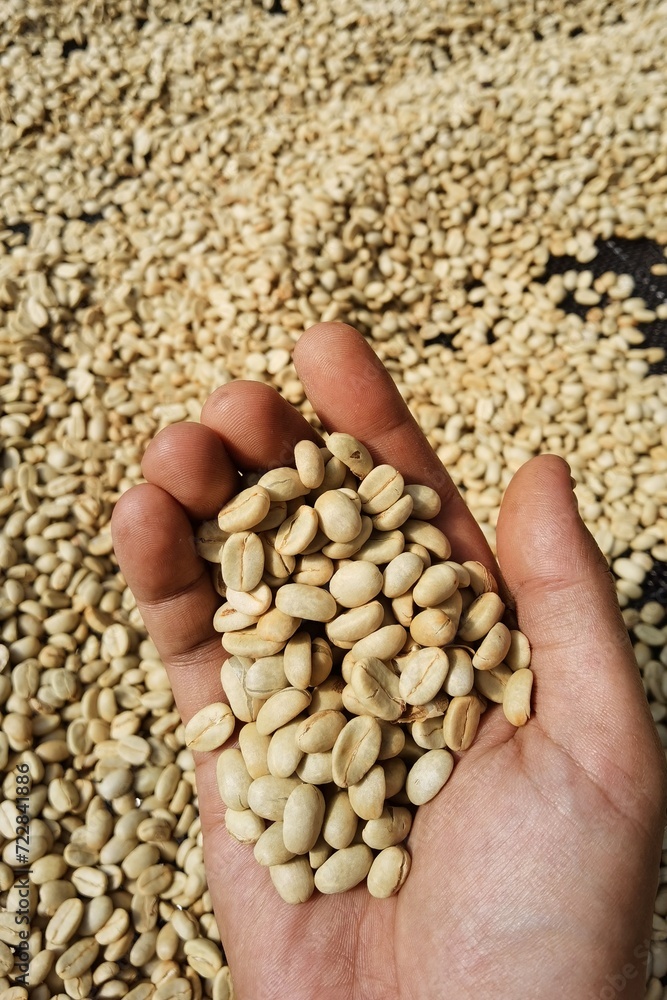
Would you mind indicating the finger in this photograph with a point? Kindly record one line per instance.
(256, 425)
(588, 693)
(351, 390)
(189, 461)
(154, 544)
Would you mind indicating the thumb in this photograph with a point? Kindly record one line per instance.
(588, 695)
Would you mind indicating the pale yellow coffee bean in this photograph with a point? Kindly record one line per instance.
(315, 569)
(395, 773)
(435, 709)
(388, 872)
(481, 616)
(309, 463)
(482, 580)
(210, 727)
(428, 733)
(352, 704)
(429, 536)
(46, 868)
(392, 741)
(403, 609)
(229, 619)
(516, 702)
(381, 547)
(14, 992)
(377, 688)
(367, 795)
(344, 869)
(460, 676)
(247, 642)
(492, 683)
(423, 675)
(428, 775)
(340, 821)
(232, 678)
(420, 551)
(245, 510)
(435, 585)
(432, 627)
(302, 601)
(453, 607)
(276, 626)
(346, 550)
(351, 452)
(6, 959)
(209, 539)
(281, 708)
(350, 626)
(394, 516)
(385, 643)
(63, 924)
(493, 648)
(115, 927)
(321, 661)
(316, 768)
(78, 958)
(255, 748)
(265, 677)
(89, 881)
(297, 660)
(355, 583)
(328, 695)
(284, 754)
(356, 750)
(233, 779)
(380, 488)
(518, 655)
(461, 721)
(173, 988)
(283, 484)
(401, 573)
(297, 531)
(319, 732)
(144, 991)
(425, 501)
(252, 603)
(270, 849)
(335, 472)
(462, 574)
(267, 795)
(203, 956)
(392, 828)
(319, 853)
(242, 561)
(294, 880)
(276, 566)
(302, 818)
(338, 516)
(243, 825)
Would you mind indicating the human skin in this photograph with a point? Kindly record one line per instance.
(535, 869)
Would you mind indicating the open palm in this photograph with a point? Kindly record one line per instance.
(534, 870)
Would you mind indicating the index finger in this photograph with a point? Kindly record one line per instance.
(351, 390)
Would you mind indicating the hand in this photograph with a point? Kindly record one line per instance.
(535, 869)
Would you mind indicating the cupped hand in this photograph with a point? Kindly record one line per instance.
(534, 870)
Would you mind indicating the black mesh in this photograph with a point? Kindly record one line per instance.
(634, 257)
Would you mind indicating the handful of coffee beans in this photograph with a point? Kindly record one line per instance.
(362, 658)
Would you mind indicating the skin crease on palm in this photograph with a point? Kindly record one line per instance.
(535, 869)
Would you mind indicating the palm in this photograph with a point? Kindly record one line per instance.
(533, 870)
